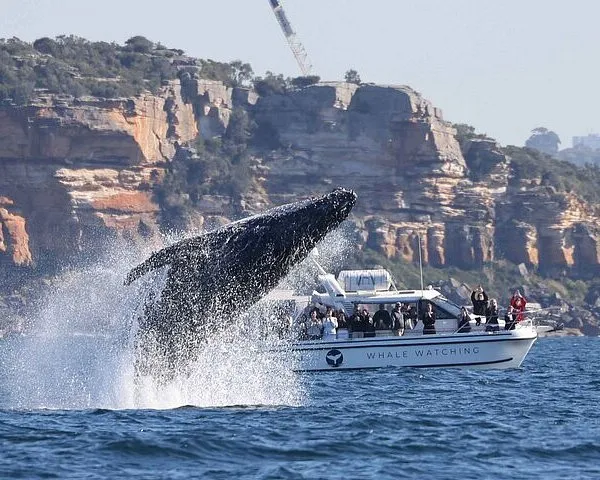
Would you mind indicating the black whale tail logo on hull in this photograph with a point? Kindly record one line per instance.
(223, 272)
(334, 358)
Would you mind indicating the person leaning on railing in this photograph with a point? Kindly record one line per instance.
(510, 319)
(463, 321)
(518, 302)
(491, 317)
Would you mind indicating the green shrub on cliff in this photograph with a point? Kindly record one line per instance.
(216, 166)
(232, 74)
(271, 84)
(74, 66)
(532, 164)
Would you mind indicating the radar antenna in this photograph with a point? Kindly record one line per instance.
(291, 37)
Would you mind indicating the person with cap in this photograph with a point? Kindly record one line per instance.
(410, 316)
(398, 320)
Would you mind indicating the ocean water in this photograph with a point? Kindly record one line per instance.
(76, 420)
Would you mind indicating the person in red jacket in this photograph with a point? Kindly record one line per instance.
(518, 302)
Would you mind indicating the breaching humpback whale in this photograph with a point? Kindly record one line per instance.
(221, 273)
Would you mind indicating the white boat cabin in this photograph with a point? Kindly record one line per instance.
(371, 288)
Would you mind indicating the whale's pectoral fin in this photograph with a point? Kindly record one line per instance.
(176, 252)
(139, 271)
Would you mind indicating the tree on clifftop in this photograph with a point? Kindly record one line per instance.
(140, 44)
(352, 76)
(543, 140)
(241, 73)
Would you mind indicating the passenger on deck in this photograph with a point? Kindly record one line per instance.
(369, 326)
(463, 321)
(518, 302)
(356, 324)
(341, 318)
(510, 319)
(398, 320)
(315, 326)
(342, 330)
(491, 317)
(410, 316)
(429, 320)
(480, 303)
(382, 319)
(330, 325)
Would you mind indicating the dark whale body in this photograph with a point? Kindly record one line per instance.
(221, 273)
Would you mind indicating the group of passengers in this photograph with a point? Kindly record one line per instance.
(488, 309)
(333, 324)
(329, 326)
(319, 322)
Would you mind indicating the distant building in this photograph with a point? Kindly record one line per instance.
(591, 141)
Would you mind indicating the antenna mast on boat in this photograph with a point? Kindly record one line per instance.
(291, 37)
(420, 261)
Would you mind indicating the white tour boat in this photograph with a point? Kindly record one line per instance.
(446, 348)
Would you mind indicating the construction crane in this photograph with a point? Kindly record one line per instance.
(291, 37)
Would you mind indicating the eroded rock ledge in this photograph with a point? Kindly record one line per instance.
(73, 172)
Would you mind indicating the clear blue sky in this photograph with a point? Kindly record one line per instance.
(503, 66)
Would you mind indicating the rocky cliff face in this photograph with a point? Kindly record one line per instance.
(74, 172)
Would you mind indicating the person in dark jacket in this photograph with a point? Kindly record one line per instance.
(369, 326)
(356, 323)
(510, 319)
(480, 303)
(429, 320)
(382, 318)
(463, 321)
(491, 317)
(341, 318)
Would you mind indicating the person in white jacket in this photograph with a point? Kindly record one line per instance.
(330, 325)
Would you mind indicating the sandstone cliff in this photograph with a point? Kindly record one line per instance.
(73, 172)
(76, 171)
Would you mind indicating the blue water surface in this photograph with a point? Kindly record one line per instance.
(540, 421)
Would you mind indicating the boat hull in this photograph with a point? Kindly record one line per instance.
(504, 349)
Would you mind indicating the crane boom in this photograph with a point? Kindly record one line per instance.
(291, 37)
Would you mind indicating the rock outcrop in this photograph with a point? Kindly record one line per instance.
(74, 172)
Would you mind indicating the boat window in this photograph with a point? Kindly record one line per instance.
(441, 297)
(445, 309)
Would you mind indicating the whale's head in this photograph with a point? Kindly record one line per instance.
(259, 251)
(289, 232)
(242, 261)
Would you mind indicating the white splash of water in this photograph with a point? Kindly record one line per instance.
(79, 352)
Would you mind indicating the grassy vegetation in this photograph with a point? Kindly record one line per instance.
(74, 66)
(562, 175)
